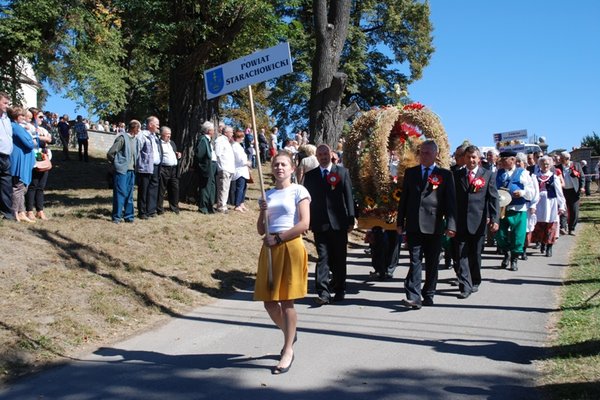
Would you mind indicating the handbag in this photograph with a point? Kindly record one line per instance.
(42, 162)
(250, 179)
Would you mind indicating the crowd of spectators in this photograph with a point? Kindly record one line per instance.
(25, 161)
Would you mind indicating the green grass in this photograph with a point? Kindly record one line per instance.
(572, 370)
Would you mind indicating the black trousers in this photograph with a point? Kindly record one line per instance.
(569, 221)
(385, 251)
(332, 250)
(65, 145)
(35, 191)
(83, 145)
(6, 189)
(169, 183)
(430, 246)
(470, 248)
(148, 192)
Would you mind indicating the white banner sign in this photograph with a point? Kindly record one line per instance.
(512, 135)
(254, 68)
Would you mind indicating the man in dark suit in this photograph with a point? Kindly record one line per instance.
(206, 169)
(573, 188)
(477, 207)
(427, 200)
(331, 218)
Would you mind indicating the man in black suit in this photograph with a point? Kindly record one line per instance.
(477, 207)
(331, 218)
(427, 200)
(572, 189)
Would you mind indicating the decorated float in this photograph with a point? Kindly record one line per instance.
(382, 144)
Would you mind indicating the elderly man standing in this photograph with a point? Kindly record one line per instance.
(123, 155)
(169, 175)
(573, 188)
(204, 166)
(148, 168)
(226, 167)
(6, 148)
(513, 226)
(331, 218)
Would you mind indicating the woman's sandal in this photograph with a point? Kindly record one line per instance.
(282, 370)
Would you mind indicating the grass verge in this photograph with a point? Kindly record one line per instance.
(572, 370)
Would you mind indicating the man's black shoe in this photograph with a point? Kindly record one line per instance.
(513, 264)
(322, 301)
(475, 289)
(411, 304)
(428, 301)
(505, 260)
(463, 295)
(338, 297)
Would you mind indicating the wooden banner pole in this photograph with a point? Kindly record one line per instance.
(262, 185)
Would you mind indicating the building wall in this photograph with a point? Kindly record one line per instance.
(100, 141)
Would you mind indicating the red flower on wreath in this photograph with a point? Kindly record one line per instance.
(413, 106)
(435, 180)
(333, 179)
(404, 131)
(478, 184)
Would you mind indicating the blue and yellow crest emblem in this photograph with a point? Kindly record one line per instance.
(215, 80)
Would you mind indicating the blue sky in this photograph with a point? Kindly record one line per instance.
(503, 65)
(514, 64)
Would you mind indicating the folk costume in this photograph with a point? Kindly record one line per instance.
(551, 202)
(513, 226)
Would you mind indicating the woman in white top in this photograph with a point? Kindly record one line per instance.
(550, 205)
(287, 213)
(242, 174)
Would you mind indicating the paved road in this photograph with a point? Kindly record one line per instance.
(368, 347)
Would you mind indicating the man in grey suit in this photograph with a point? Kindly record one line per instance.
(427, 208)
(477, 207)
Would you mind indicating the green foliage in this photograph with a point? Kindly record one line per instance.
(388, 42)
(592, 141)
(125, 58)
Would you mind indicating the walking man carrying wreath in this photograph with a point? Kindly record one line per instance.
(427, 199)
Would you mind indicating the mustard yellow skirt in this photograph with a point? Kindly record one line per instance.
(290, 272)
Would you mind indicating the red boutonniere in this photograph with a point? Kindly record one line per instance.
(478, 183)
(333, 179)
(435, 180)
(574, 172)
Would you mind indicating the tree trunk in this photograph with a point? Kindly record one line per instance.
(188, 109)
(327, 114)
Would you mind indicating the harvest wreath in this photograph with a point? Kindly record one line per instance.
(377, 134)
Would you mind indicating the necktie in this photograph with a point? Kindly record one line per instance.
(325, 173)
(471, 176)
(425, 174)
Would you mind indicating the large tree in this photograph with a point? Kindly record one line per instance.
(387, 42)
(327, 114)
(592, 141)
